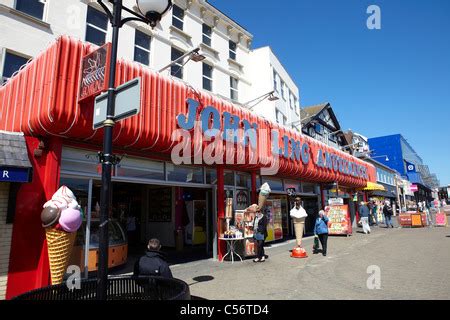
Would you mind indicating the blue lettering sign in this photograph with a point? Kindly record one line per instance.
(207, 114)
(286, 146)
(329, 163)
(276, 150)
(187, 123)
(250, 134)
(230, 127)
(296, 146)
(320, 159)
(11, 174)
(305, 153)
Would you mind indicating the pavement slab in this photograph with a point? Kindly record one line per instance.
(413, 264)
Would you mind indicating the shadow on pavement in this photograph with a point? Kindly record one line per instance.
(201, 279)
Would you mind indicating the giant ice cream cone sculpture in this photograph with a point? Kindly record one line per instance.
(61, 219)
(60, 244)
(263, 195)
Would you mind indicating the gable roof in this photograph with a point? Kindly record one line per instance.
(312, 111)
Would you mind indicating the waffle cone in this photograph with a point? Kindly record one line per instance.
(60, 244)
(261, 201)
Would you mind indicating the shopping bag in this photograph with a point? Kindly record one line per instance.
(316, 244)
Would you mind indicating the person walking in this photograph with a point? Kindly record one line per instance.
(298, 214)
(428, 215)
(153, 263)
(321, 230)
(364, 214)
(260, 234)
(387, 211)
(374, 213)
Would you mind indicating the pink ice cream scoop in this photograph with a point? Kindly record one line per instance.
(70, 219)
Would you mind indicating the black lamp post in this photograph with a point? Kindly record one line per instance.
(151, 12)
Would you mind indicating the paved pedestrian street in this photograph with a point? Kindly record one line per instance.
(413, 264)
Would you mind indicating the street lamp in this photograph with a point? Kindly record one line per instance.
(194, 55)
(385, 156)
(334, 133)
(254, 102)
(359, 144)
(298, 121)
(151, 12)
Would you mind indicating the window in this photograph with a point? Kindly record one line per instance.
(243, 180)
(281, 119)
(176, 69)
(207, 77)
(282, 90)
(12, 64)
(96, 26)
(34, 8)
(228, 178)
(184, 173)
(177, 17)
(211, 176)
(233, 88)
(141, 169)
(319, 128)
(291, 100)
(232, 51)
(308, 188)
(332, 137)
(275, 81)
(142, 48)
(275, 184)
(207, 32)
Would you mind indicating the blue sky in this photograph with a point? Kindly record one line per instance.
(379, 82)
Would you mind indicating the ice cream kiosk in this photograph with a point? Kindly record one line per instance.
(118, 246)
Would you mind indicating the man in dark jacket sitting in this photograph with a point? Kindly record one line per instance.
(153, 263)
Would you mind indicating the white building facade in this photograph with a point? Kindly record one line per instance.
(285, 110)
(29, 26)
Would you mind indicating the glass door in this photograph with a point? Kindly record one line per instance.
(311, 205)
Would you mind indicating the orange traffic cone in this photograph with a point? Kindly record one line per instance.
(299, 253)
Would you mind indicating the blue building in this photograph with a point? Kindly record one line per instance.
(395, 152)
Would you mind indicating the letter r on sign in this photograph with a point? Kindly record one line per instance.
(5, 174)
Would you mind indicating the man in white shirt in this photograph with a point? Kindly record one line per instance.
(298, 215)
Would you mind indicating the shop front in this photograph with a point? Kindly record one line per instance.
(174, 175)
(15, 171)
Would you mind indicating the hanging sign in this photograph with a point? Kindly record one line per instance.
(336, 202)
(95, 72)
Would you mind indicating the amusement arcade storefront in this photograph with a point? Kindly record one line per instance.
(161, 194)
